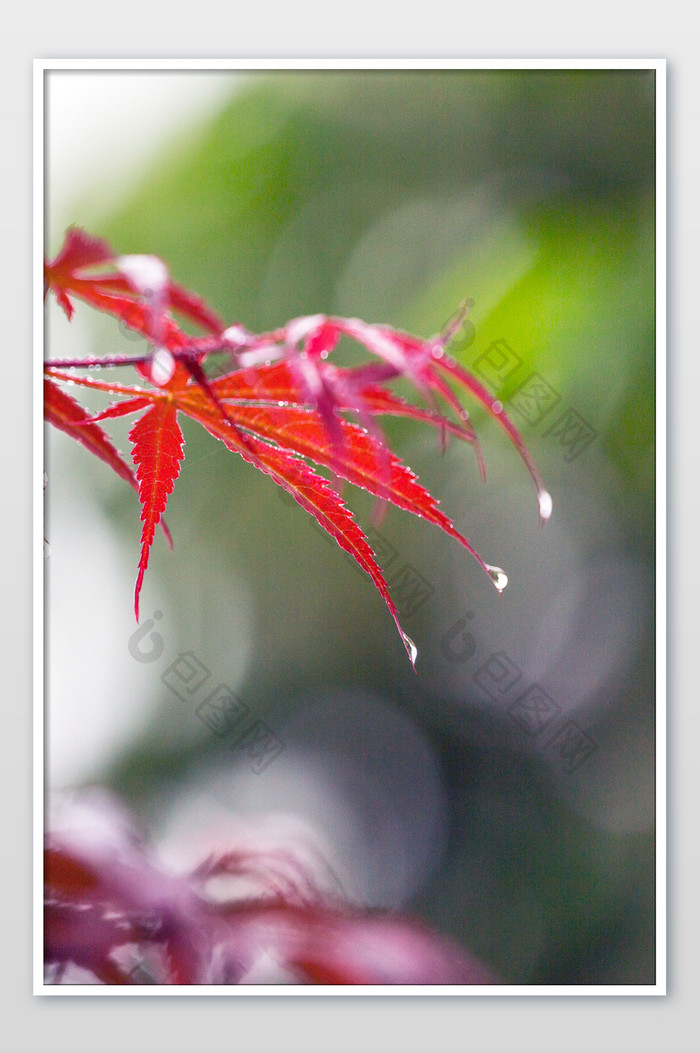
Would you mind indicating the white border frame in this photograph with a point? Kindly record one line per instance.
(43, 66)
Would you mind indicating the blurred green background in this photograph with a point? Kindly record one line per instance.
(526, 834)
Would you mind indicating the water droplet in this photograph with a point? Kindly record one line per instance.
(497, 406)
(98, 367)
(545, 500)
(324, 354)
(498, 577)
(280, 403)
(438, 351)
(411, 648)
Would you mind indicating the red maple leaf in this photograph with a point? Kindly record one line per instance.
(109, 901)
(285, 417)
(158, 452)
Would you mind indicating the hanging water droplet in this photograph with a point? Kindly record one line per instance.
(497, 406)
(498, 577)
(438, 351)
(545, 500)
(411, 648)
(324, 354)
(97, 366)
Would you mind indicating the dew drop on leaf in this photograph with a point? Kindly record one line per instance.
(545, 500)
(411, 648)
(498, 577)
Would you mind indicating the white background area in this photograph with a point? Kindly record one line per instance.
(99, 140)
